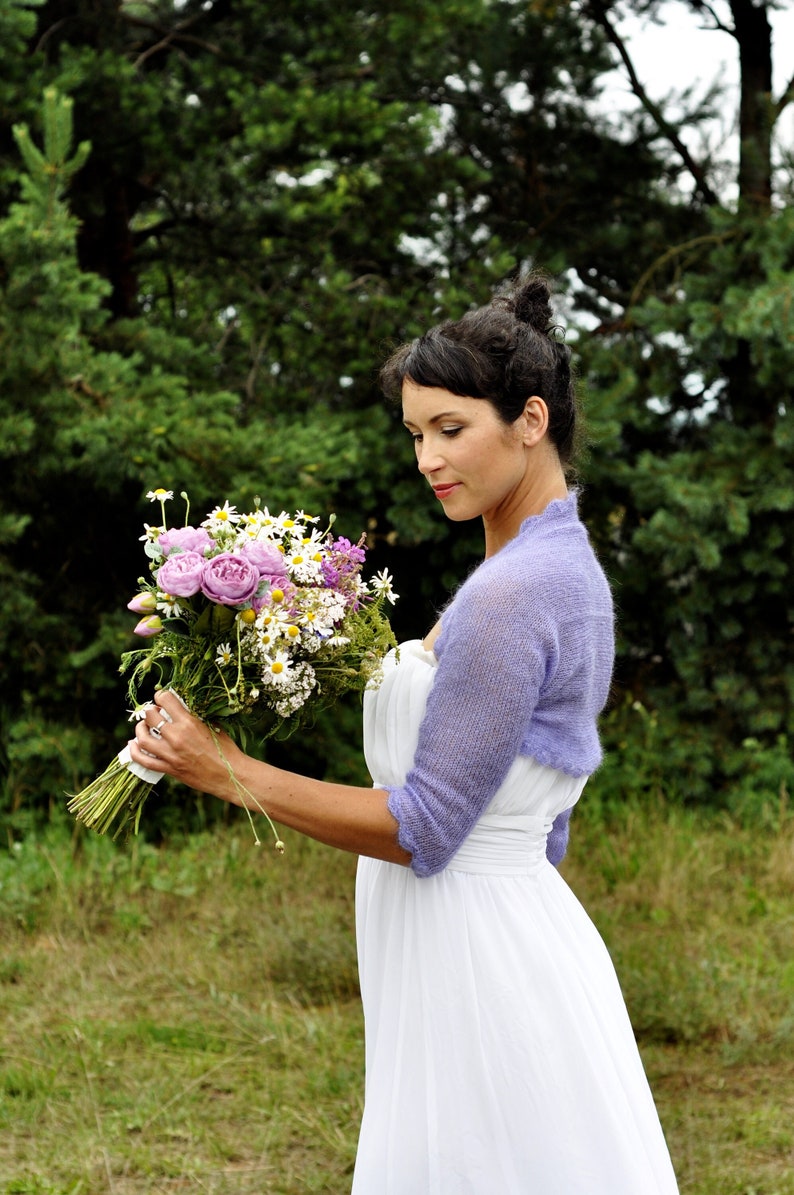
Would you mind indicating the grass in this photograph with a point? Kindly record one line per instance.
(186, 1019)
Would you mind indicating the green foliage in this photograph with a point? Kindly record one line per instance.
(698, 496)
(89, 421)
(664, 756)
(275, 196)
(50, 171)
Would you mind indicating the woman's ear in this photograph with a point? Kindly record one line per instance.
(535, 417)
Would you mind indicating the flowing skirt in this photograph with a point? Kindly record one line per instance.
(499, 1055)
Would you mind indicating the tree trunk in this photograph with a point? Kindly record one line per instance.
(754, 38)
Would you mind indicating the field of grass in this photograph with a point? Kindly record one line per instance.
(186, 1019)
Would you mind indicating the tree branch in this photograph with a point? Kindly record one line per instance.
(168, 36)
(601, 18)
(718, 24)
(785, 99)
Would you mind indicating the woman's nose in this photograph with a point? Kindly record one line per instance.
(428, 459)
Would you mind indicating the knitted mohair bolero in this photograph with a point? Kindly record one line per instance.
(524, 662)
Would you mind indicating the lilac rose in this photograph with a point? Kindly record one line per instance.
(229, 579)
(267, 558)
(186, 539)
(181, 574)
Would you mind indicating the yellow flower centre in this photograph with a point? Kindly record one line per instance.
(317, 556)
(248, 616)
(293, 631)
(277, 595)
(297, 560)
(222, 515)
(276, 667)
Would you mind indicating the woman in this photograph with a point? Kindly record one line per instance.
(499, 1054)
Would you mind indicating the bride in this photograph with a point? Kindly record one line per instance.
(499, 1053)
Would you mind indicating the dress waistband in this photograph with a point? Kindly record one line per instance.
(504, 844)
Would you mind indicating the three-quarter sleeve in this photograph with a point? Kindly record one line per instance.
(496, 651)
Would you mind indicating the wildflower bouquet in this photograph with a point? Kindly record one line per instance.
(256, 621)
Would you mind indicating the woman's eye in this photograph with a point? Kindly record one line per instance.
(451, 431)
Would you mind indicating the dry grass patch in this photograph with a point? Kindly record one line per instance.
(186, 1019)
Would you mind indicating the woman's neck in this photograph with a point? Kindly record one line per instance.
(499, 530)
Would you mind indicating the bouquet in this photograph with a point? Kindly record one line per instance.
(255, 621)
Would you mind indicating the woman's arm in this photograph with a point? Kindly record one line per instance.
(340, 815)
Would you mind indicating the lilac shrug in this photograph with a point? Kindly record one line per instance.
(525, 657)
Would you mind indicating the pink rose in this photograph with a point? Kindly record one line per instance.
(229, 579)
(186, 539)
(143, 603)
(266, 557)
(181, 574)
(147, 627)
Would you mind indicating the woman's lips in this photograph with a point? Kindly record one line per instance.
(443, 491)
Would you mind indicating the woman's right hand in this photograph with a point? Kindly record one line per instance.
(170, 740)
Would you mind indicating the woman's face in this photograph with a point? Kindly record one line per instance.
(476, 464)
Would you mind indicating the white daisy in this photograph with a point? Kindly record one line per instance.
(302, 517)
(382, 585)
(224, 655)
(337, 641)
(169, 606)
(149, 533)
(303, 567)
(221, 518)
(277, 669)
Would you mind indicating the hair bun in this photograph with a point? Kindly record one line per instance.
(531, 304)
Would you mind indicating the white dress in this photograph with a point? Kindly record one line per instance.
(499, 1055)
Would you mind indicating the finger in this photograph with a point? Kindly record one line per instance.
(143, 733)
(142, 744)
(169, 704)
(156, 719)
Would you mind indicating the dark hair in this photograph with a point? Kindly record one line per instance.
(504, 352)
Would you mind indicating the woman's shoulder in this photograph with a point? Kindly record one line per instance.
(554, 543)
(548, 578)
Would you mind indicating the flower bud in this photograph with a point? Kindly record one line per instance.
(147, 627)
(143, 603)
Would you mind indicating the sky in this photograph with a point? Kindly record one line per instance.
(680, 51)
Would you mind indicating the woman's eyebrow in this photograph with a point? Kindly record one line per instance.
(435, 418)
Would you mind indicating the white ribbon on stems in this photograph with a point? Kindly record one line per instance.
(138, 769)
